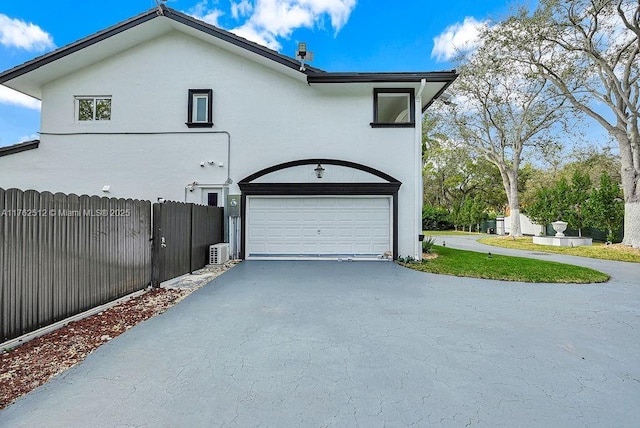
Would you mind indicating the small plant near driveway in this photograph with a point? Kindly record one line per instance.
(427, 244)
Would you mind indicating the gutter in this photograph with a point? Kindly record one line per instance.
(417, 212)
(20, 147)
(229, 180)
(225, 185)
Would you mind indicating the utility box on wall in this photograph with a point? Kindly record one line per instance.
(233, 205)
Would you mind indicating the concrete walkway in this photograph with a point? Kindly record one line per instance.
(367, 344)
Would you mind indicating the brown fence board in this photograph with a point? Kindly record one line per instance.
(207, 228)
(63, 254)
(187, 230)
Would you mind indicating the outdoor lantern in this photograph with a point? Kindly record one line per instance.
(319, 171)
(302, 49)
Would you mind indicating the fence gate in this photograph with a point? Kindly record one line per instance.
(182, 234)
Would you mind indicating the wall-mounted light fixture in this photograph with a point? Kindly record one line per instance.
(106, 188)
(303, 55)
(319, 171)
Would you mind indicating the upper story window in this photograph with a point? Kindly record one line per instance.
(200, 106)
(93, 108)
(393, 108)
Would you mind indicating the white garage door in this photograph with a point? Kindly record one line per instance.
(318, 226)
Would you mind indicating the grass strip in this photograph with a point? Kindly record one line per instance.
(617, 252)
(505, 268)
(450, 233)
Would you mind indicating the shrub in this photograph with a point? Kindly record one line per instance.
(435, 218)
(428, 244)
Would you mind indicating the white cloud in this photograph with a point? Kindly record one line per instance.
(202, 12)
(26, 138)
(19, 34)
(263, 38)
(459, 37)
(9, 96)
(241, 9)
(269, 20)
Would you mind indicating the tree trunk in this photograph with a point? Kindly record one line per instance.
(630, 173)
(516, 228)
(632, 224)
(514, 204)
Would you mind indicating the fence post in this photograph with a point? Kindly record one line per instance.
(155, 245)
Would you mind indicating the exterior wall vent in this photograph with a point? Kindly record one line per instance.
(218, 254)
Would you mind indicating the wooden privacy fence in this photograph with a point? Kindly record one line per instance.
(63, 254)
(182, 234)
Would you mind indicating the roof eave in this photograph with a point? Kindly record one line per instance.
(439, 76)
(440, 92)
(142, 18)
(240, 42)
(76, 46)
(20, 147)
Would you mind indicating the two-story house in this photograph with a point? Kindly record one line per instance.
(318, 164)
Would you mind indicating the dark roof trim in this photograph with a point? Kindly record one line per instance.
(142, 18)
(20, 147)
(76, 46)
(314, 75)
(237, 40)
(291, 164)
(436, 96)
(439, 76)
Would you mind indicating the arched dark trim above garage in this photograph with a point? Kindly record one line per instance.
(388, 188)
(291, 164)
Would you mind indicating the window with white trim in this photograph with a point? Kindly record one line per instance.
(200, 108)
(93, 108)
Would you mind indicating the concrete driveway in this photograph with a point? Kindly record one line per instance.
(367, 344)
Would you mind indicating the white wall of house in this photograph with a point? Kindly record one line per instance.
(270, 117)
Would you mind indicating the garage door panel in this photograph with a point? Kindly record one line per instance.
(316, 226)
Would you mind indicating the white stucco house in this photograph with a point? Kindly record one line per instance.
(317, 164)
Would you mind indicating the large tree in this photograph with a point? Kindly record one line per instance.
(499, 110)
(589, 50)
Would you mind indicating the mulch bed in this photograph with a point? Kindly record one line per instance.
(37, 361)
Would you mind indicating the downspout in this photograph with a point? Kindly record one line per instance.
(417, 212)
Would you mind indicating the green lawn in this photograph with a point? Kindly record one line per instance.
(449, 232)
(597, 250)
(480, 265)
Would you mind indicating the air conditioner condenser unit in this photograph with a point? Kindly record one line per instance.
(218, 253)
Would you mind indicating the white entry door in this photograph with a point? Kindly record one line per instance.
(316, 226)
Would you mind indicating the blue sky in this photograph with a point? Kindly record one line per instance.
(345, 35)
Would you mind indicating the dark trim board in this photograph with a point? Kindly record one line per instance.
(20, 147)
(337, 77)
(313, 75)
(248, 188)
(337, 162)
(76, 46)
(209, 94)
(313, 189)
(412, 108)
(142, 18)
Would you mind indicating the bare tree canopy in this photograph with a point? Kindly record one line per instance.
(589, 50)
(500, 110)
